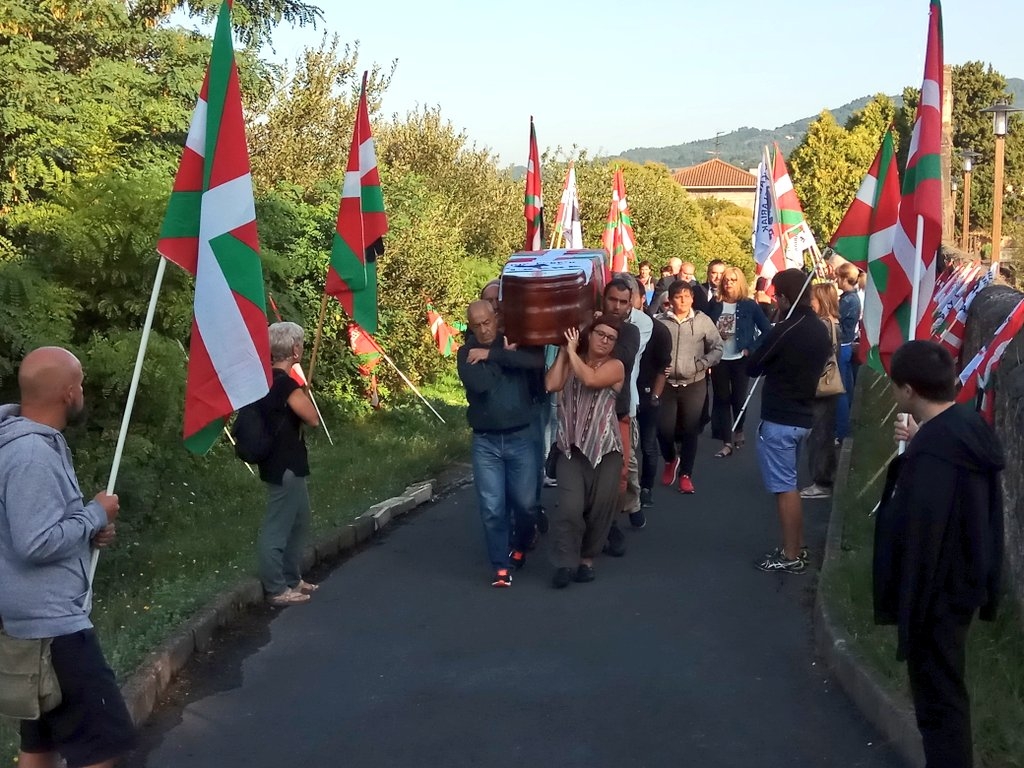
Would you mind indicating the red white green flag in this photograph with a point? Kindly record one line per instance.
(210, 231)
(920, 232)
(865, 238)
(794, 233)
(533, 201)
(977, 377)
(361, 226)
(618, 239)
(445, 336)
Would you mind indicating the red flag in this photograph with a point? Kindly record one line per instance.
(533, 203)
(364, 347)
(361, 226)
(444, 334)
(921, 204)
(210, 231)
(977, 376)
(618, 238)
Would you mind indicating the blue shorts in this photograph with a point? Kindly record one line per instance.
(778, 451)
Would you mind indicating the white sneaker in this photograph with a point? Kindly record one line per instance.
(815, 491)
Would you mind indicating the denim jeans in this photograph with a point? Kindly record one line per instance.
(778, 453)
(505, 475)
(845, 402)
(283, 535)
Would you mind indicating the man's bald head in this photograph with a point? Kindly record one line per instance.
(483, 321)
(50, 381)
(688, 272)
(675, 264)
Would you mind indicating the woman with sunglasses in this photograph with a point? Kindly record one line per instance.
(589, 445)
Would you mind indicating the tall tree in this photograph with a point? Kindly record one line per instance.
(824, 175)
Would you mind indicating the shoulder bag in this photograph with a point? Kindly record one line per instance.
(831, 383)
(28, 682)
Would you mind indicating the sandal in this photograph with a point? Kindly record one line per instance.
(726, 451)
(306, 588)
(739, 441)
(288, 597)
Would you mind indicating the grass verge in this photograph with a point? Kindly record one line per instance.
(170, 562)
(995, 652)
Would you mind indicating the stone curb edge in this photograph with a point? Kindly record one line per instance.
(143, 689)
(891, 715)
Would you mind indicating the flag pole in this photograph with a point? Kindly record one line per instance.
(750, 394)
(227, 434)
(915, 298)
(411, 385)
(309, 391)
(133, 390)
(404, 378)
(316, 338)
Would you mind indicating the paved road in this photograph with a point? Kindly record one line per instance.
(679, 654)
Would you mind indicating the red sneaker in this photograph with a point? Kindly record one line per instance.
(502, 578)
(686, 485)
(668, 477)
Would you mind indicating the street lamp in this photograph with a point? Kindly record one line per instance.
(968, 156)
(1001, 112)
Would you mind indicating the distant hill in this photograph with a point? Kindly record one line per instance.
(742, 147)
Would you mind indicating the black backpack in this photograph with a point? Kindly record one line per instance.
(254, 437)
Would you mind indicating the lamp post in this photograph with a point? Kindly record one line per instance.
(968, 156)
(1000, 112)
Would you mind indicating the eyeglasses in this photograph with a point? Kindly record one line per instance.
(605, 336)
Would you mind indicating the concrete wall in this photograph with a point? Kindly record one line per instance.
(987, 313)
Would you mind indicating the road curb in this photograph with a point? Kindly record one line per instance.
(147, 684)
(892, 715)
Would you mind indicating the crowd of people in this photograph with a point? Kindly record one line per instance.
(656, 364)
(634, 389)
(659, 361)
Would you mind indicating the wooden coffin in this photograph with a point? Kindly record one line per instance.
(545, 292)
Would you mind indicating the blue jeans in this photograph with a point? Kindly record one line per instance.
(505, 475)
(845, 402)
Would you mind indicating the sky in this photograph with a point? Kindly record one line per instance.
(609, 76)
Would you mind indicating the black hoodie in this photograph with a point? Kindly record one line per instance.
(939, 532)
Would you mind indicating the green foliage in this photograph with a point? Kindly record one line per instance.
(304, 130)
(667, 220)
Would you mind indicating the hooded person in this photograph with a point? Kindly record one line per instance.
(47, 530)
(938, 544)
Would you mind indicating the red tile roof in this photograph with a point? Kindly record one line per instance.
(715, 174)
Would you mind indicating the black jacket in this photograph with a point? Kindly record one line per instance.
(939, 531)
(498, 389)
(791, 357)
